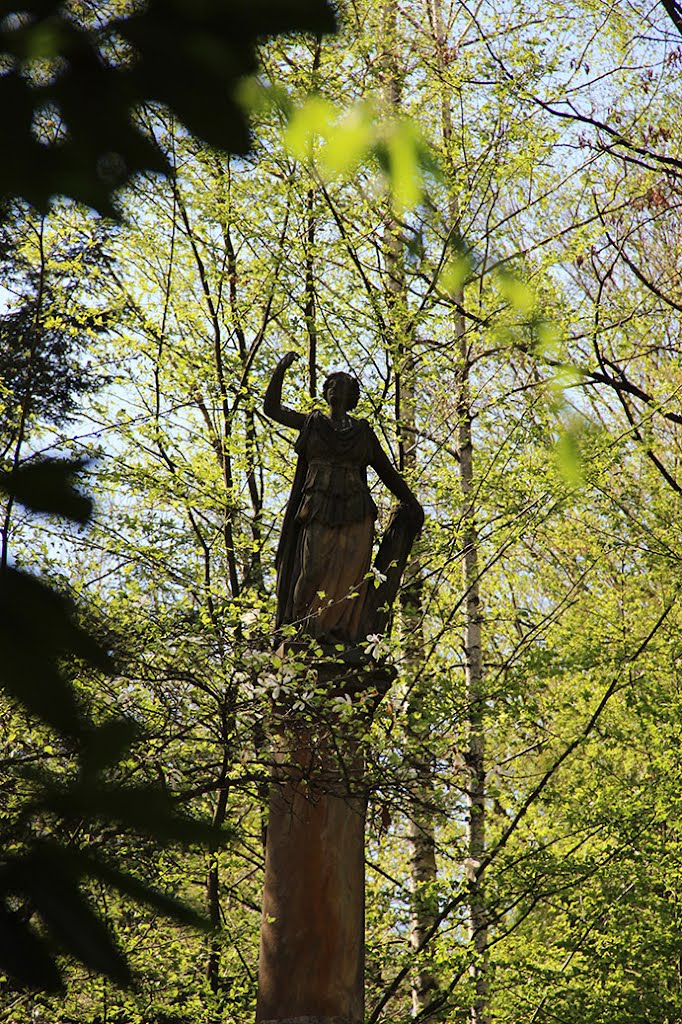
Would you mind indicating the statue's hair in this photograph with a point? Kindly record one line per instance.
(354, 391)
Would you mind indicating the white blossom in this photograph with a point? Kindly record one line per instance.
(376, 646)
(249, 617)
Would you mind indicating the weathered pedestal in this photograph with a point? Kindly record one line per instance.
(311, 968)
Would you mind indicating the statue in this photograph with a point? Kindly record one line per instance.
(323, 559)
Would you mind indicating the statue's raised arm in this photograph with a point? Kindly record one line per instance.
(272, 403)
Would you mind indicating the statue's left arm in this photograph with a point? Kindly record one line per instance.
(390, 476)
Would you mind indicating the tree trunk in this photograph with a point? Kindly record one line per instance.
(312, 948)
(475, 698)
(473, 661)
(420, 828)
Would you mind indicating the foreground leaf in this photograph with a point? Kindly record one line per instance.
(24, 957)
(47, 879)
(37, 628)
(46, 485)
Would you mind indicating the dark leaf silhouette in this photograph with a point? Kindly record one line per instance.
(140, 891)
(37, 628)
(105, 744)
(46, 485)
(24, 957)
(142, 809)
(46, 878)
(188, 56)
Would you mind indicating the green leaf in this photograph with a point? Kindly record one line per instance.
(348, 143)
(548, 335)
(307, 124)
(564, 377)
(458, 266)
(404, 165)
(516, 292)
(569, 458)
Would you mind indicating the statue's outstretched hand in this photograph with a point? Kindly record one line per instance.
(414, 511)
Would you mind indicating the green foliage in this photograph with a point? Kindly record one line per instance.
(538, 334)
(338, 141)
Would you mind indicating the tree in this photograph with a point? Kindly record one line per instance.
(539, 350)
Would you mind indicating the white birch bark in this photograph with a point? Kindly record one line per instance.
(421, 838)
(473, 658)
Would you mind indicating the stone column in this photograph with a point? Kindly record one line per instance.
(311, 966)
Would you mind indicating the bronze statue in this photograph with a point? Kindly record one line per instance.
(325, 549)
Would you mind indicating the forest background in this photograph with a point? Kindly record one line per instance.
(475, 209)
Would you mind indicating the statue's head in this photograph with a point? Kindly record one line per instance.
(344, 383)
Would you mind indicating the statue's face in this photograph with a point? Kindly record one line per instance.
(339, 393)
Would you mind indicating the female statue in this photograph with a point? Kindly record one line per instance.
(324, 553)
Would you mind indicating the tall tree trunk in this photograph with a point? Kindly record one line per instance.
(474, 683)
(475, 698)
(421, 839)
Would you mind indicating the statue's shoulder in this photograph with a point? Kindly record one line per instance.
(312, 419)
(367, 428)
(367, 437)
(312, 425)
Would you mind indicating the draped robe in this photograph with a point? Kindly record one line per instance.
(325, 548)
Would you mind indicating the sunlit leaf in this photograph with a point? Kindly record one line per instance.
(569, 458)
(565, 377)
(348, 143)
(307, 124)
(456, 272)
(404, 168)
(548, 339)
(516, 292)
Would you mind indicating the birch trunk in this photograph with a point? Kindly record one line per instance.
(475, 699)
(420, 831)
(473, 660)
